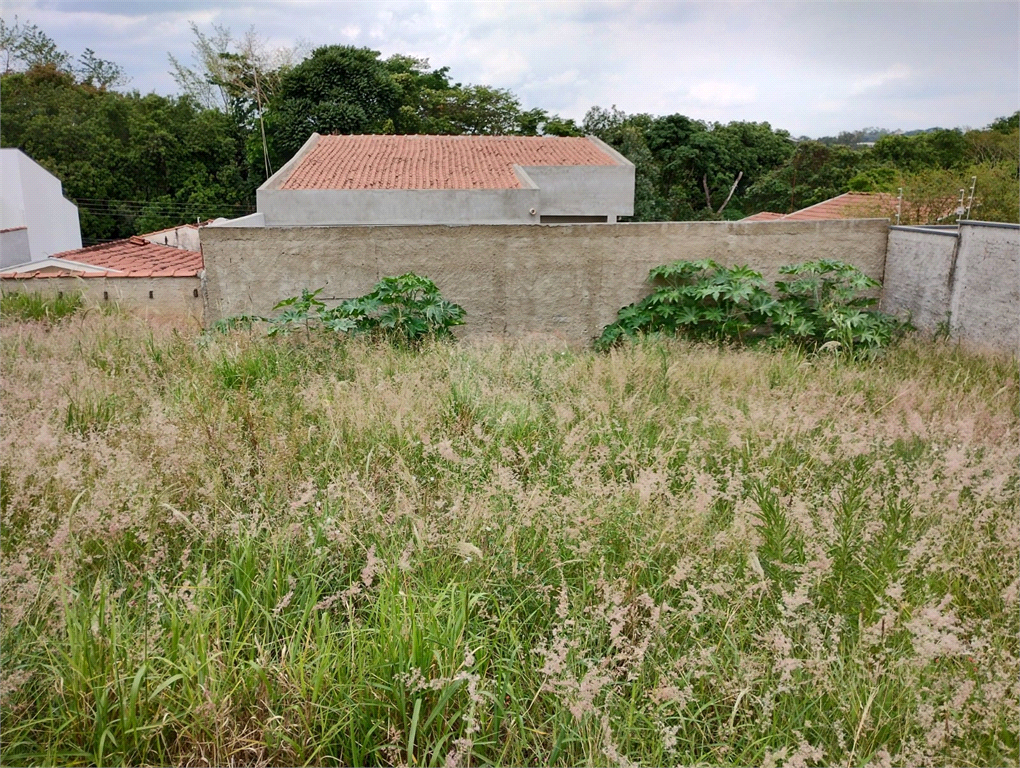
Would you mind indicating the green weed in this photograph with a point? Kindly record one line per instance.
(25, 305)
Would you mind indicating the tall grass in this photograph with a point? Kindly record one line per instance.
(27, 305)
(285, 551)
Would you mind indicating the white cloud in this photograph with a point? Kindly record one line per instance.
(876, 80)
(716, 93)
(812, 68)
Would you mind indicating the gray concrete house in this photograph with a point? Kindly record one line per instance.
(409, 180)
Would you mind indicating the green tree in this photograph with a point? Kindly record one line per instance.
(338, 89)
(813, 173)
(24, 46)
(99, 73)
(1006, 124)
(129, 162)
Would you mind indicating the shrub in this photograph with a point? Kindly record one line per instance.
(702, 300)
(822, 304)
(406, 310)
(34, 306)
(705, 301)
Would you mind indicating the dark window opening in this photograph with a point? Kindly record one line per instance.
(573, 219)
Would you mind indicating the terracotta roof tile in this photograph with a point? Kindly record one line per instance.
(851, 205)
(435, 162)
(764, 216)
(133, 257)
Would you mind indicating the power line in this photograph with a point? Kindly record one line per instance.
(110, 202)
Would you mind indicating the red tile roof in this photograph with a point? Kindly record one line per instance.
(435, 162)
(133, 257)
(764, 216)
(851, 205)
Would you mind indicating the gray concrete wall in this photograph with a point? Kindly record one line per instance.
(985, 305)
(919, 268)
(965, 280)
(397, 207)
(14, 247)
(587, 190)
(564, 280)
(173, 298)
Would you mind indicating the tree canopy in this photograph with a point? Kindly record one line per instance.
(136, 162)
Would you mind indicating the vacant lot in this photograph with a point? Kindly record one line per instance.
(233, 550)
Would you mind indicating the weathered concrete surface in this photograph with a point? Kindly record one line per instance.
(919, 270)
(985, 306)
(14, 247)
(173, 298)
(595, 190)
(564, 280)
(965, 280)
(353, 207)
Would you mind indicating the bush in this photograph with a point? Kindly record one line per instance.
(704, 301)
(701, 300)
(822, 304)
(34, 306)
(405, 310)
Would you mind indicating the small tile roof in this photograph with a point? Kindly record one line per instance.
(12, 229)
(435, 162)
(850, 205)
(764, 216)
(133, 257)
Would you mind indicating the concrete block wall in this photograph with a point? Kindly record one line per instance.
(566, 281)
(985, 305)
(966, 281)
(172, 299)
(919, 267)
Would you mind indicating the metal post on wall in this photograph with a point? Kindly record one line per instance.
(970, 202)
(899, 206)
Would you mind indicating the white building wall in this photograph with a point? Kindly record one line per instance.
(32, 197)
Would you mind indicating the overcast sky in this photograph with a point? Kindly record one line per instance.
(813, 68)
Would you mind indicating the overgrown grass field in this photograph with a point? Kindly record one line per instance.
(234, 550)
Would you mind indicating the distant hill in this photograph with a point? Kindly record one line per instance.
(865, 137)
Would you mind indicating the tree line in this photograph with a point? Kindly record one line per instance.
(135, 163)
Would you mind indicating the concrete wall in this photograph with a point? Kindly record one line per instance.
(919, 267)
(985, 306)
(173, 298)
(564, 280)
(966, 281)
(32, 197)
(184, 236)
(14, 247)
(593, 190)
(353, 207)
